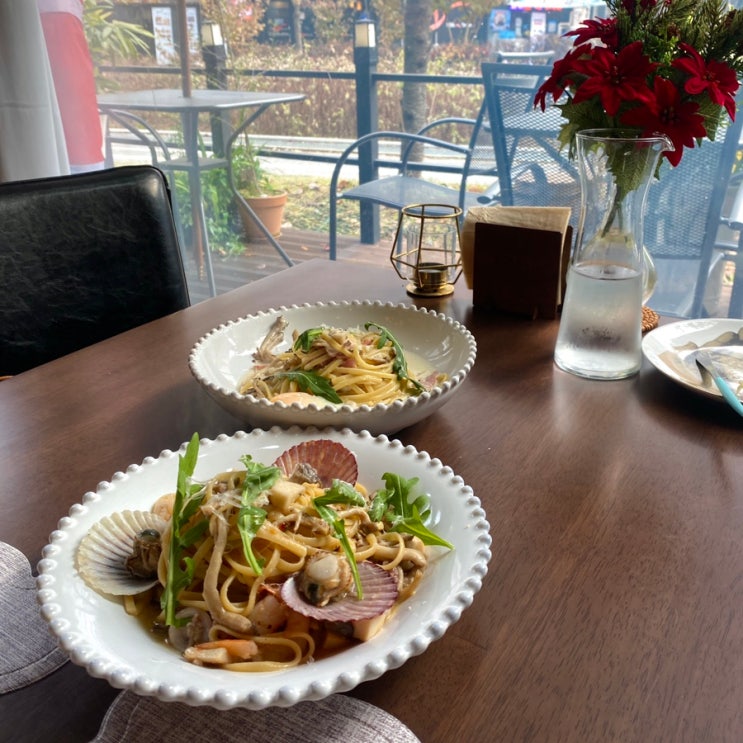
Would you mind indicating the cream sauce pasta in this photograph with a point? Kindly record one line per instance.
(351, 366)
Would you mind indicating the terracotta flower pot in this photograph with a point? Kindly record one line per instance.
(270, 210)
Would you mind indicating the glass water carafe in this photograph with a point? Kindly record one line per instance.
(601, 323)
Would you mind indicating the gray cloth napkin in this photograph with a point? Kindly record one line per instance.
(29, 649)
(336, 719)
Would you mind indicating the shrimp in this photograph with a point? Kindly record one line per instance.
(221, 652)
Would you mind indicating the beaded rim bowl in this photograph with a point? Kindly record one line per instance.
(221, 358)
(99, 635)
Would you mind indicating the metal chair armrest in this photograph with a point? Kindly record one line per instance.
(735, 217)
(345, 156)
(142, 131)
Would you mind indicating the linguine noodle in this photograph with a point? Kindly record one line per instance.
(361, 366)
(242, 604)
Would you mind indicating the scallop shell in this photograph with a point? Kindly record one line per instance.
(380, 593)
(331, 461)
(102, 553)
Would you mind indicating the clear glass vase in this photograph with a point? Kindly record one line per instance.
(649, 275)
(601, 324)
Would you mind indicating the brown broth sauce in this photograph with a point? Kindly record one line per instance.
(327, 642)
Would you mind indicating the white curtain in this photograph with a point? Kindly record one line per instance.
(32, 141)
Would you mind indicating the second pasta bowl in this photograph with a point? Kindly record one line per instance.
(437, 352)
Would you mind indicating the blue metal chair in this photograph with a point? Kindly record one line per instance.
(444, 161)
(733, 248)
(683, 216)
(138, 132)
(532, 169)
(685, 205)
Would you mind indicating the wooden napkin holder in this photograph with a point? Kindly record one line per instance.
(520, 270)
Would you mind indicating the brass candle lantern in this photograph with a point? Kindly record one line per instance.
(426, 249)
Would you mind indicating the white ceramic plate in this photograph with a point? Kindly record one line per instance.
(221, 359)
(98, 634)
(668, 346)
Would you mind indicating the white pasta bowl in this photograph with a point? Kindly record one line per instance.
(97, 633)
(221, 359)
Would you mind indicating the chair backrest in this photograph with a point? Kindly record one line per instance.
(479, 170)
(532, 169)
(479, 160)
(684, 205)
(683, 217)
(83, 258)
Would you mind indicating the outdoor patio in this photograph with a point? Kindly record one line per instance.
(260, 259)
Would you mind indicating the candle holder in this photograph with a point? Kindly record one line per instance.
(426, 249)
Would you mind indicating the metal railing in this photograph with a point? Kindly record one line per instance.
(365, 78)
(364, 92)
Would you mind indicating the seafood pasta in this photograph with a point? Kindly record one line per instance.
(270, 566)
(364, 366)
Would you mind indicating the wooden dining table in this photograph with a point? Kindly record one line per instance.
(612, 609)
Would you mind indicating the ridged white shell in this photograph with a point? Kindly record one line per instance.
(380, 592)
(330, 459)
(102, 553)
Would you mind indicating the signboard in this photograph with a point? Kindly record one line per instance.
(538, 23)
(164, 33)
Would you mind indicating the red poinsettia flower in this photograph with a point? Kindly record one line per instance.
(616, 78)
(667, 114)
(679, 77)
(559, 80)
(603, 29)
(716, 78)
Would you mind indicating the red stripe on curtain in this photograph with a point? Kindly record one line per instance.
(74, 82)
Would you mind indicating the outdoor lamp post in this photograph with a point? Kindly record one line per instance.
(214, 53)
(365, 57)
(365, 40)
(211, 34)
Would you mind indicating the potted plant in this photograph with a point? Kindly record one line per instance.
(253, 184)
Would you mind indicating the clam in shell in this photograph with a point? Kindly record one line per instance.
(330, 459)
(380, 593)
(102, 554)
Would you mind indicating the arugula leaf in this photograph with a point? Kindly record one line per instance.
(393, 505)
(341, 493)
(258, 477)
(188, 498)
(399, 365)
(250, 518)
(195, 533)
(312, 382)
(249, 521)
(306, 339)
(378, 505)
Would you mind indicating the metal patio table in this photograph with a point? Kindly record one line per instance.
(214, 102)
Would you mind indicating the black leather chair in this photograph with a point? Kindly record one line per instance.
(83, 258)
